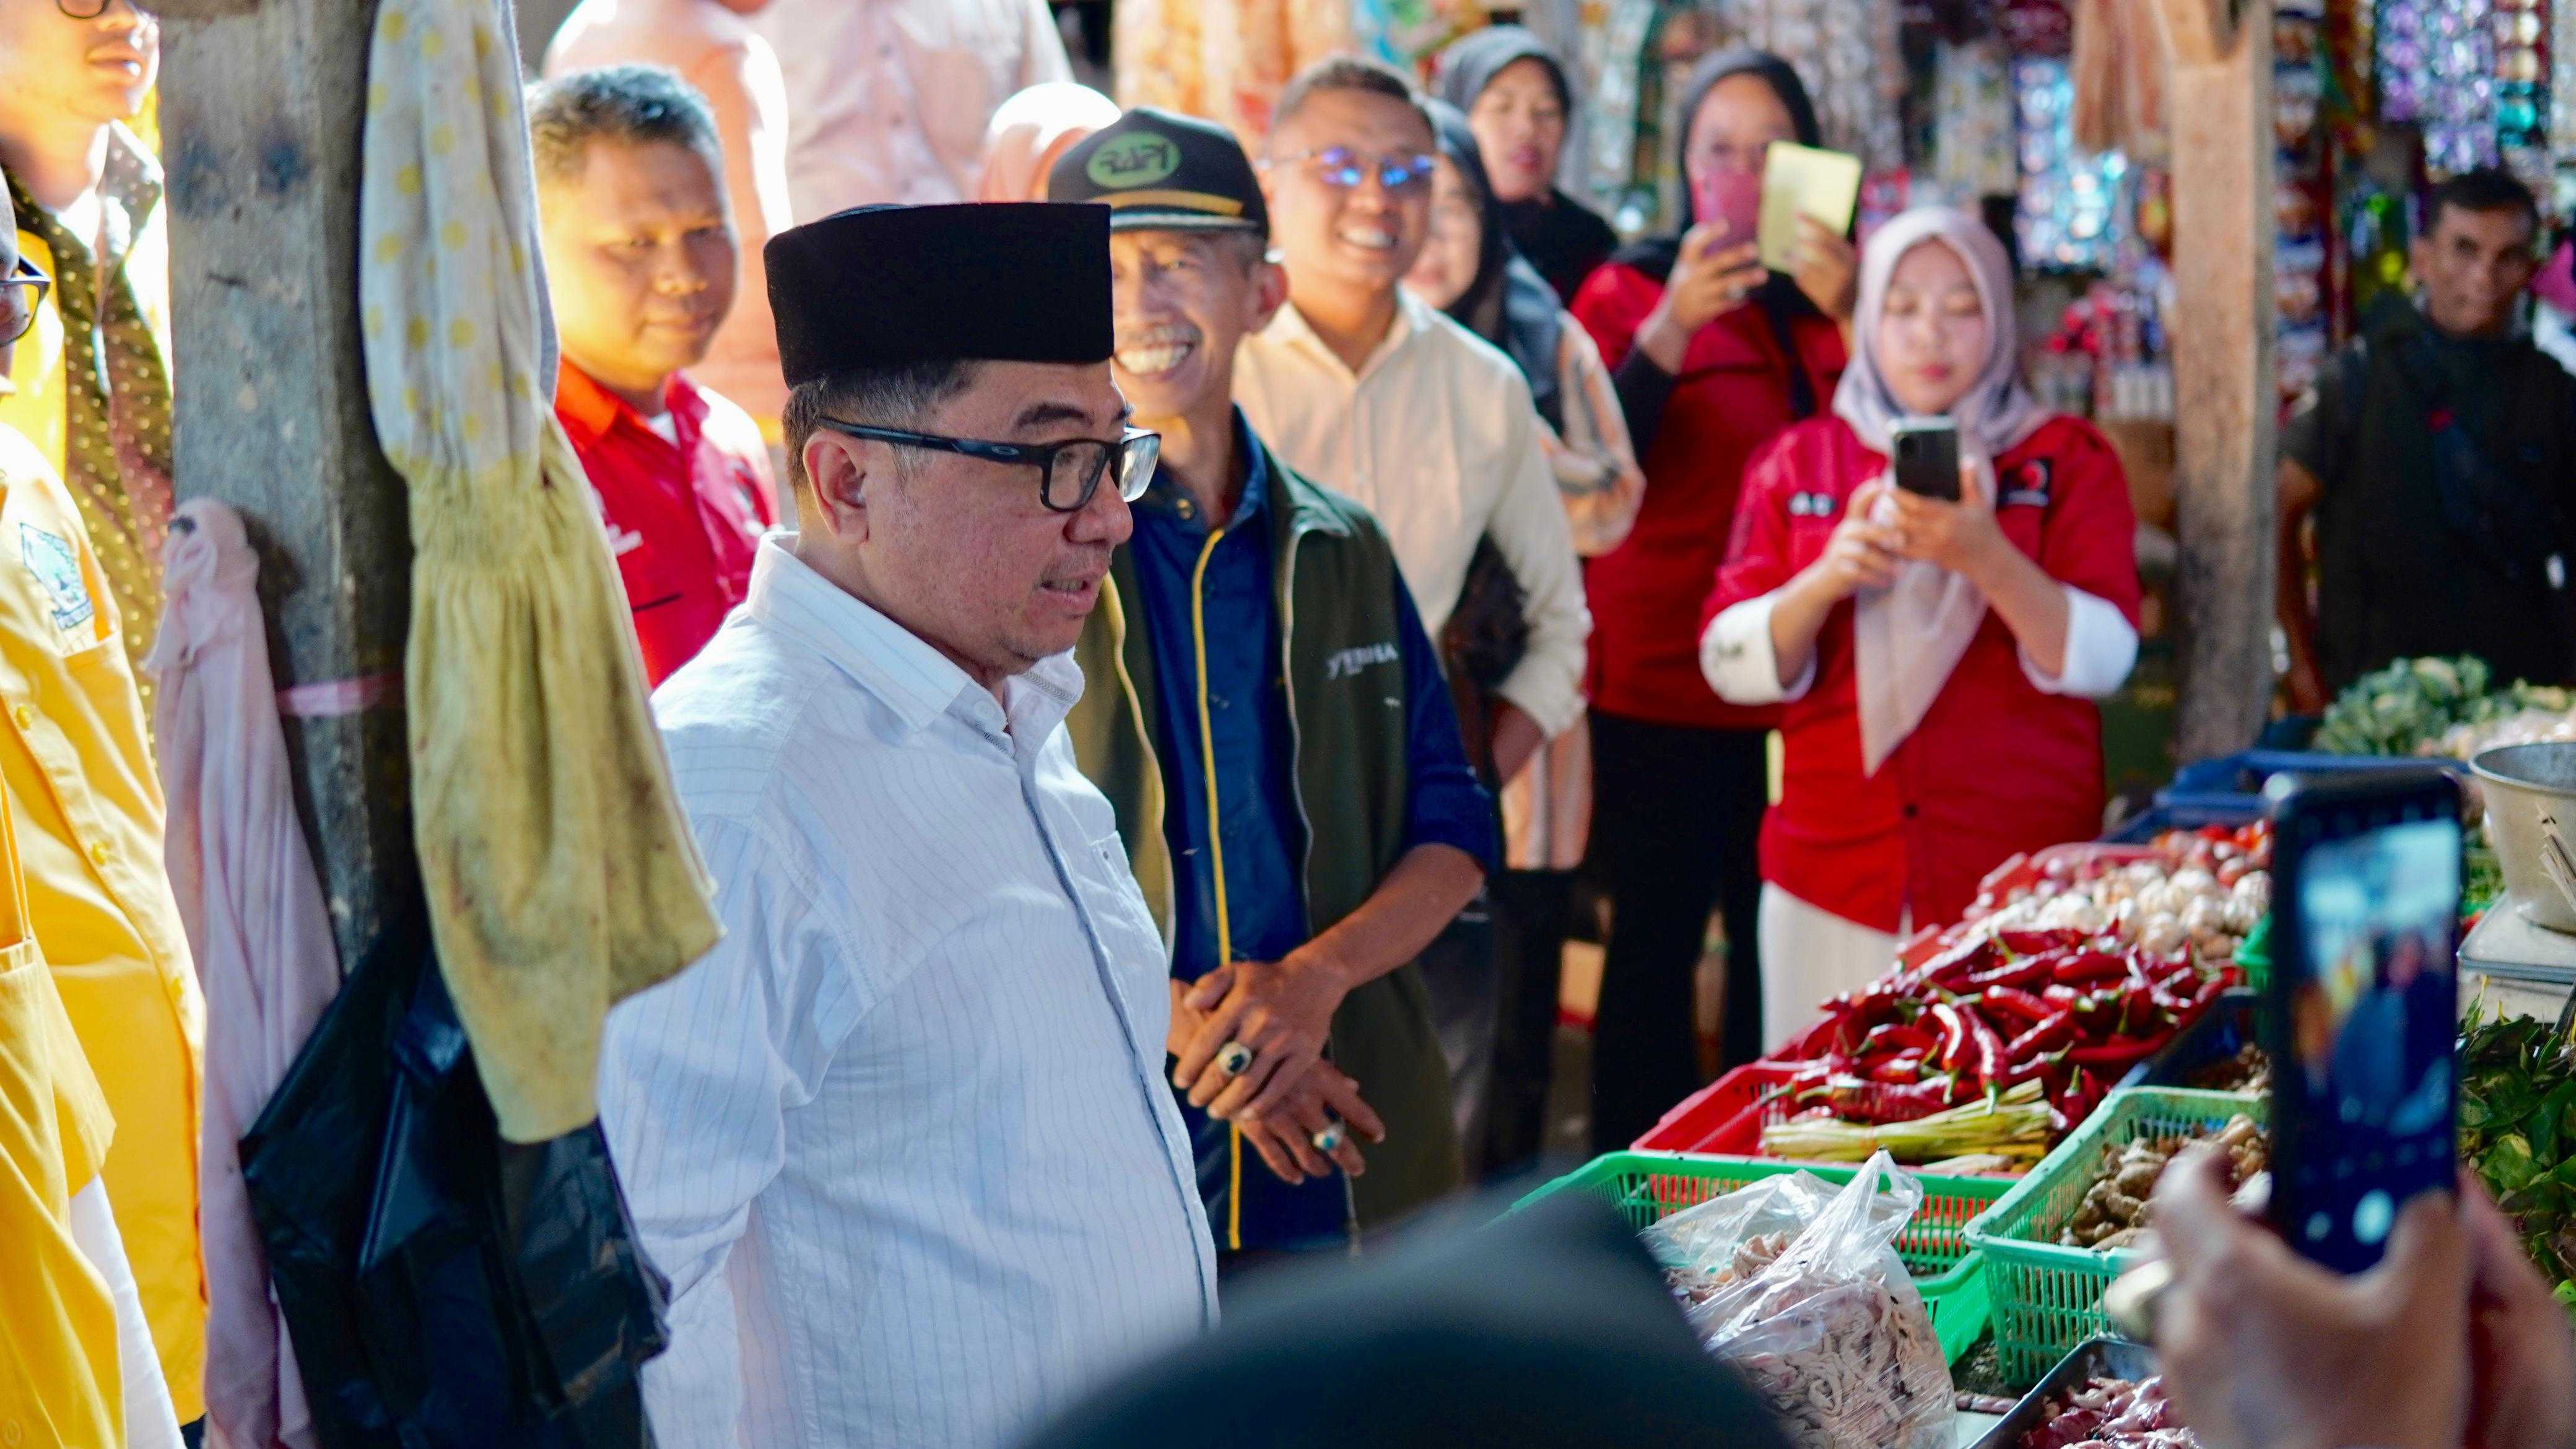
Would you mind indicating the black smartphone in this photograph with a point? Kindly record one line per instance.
(1927, 458)
(2362, 1010)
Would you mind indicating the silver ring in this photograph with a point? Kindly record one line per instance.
(1234, 1059)
(1328, 1139)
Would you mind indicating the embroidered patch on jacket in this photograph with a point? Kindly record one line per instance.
(2030, 485)
(56, 565)
(1344, 663)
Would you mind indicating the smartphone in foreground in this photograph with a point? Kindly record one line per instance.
(1927, 457)
(2362, 1009)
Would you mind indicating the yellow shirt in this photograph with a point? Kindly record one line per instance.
(59, 1379)
(86, 806)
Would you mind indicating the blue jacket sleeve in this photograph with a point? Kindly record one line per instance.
(1447, 805)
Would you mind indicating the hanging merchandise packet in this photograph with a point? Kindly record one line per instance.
(1803, 181)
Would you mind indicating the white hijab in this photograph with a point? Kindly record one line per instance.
(1909, 636)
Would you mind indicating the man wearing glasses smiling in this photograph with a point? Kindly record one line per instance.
(902, 1141)
(1373, 393)
(92, 380)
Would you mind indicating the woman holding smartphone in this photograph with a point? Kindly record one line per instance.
(1712, 356)
(1937, 660)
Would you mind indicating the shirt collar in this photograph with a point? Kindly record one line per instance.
(1412, 318)
(590, 412)
(1164, 496)
(911, 678)
(131, 184)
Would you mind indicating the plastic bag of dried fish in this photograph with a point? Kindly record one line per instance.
(1797, 1284)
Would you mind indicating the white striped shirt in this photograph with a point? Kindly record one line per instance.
(902, 1141)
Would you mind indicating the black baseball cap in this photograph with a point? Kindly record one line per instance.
(1160, 171)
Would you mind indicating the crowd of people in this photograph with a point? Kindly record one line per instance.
(1160, 646)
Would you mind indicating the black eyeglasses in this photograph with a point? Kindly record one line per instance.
(92, 9)
(21, 293)
(1068, 472)
(1343, 169)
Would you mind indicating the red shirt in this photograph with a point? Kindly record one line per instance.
(1730, 397)
(1996, 766)
(684, 517)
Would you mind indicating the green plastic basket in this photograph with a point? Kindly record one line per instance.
(1648, 1186)
(2047, 1298)
(2254, 954)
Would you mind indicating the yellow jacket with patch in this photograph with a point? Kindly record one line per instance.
(87, 809)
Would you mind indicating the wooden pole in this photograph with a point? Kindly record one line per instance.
(262, 104)
(2226, 403)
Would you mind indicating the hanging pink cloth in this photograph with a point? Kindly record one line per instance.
(257, 926)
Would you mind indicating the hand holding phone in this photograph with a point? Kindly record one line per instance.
(1731, 199)
(1926, 461)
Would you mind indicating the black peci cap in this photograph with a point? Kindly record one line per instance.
(1160, 171)
(890, 286)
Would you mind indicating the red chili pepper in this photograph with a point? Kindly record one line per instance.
(2057, 1031)
(2122, 1052)
(1988, 1048)
(2061, 995)
(2038, 943)
(1954, 1035)
(1903, 1067)
(2030, 1009)
(1884, 1102)
(1825, 1036)
(2029, 971)
(1895, 1036)
(2090, 966)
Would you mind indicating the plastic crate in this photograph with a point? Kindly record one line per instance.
(2221, 1032)
(2095, 1358)
(1647, 1187)
(2254, 954)
(2236, 781)
(2048, 1298)
(1724, 1116)
(2184, 814)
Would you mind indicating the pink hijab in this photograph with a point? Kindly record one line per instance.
(1031, 130)
(1909, 636)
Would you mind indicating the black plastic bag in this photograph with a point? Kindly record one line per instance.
(443, 1287)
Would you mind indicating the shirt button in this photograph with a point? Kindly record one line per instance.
(98, 852)
(24, 716)
(1912, 811)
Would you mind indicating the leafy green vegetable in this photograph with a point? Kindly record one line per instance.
(2517, 1126)
(2406, 707)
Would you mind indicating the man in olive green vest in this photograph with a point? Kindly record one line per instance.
(1268, 717)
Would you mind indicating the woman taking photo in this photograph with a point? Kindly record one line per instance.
(1469, 270)
(1938, 660)
(1713, 357)
(1517, 100)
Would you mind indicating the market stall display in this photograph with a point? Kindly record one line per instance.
(2518, 1130)
(2121, 1413)
(2114, 1210)
(2048, 1296)
(2202, 888)
(1797, 1286)
(2099, 1360)
(2412, 707)
(1647, 1187)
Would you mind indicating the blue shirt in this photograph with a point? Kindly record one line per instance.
(1263, 837)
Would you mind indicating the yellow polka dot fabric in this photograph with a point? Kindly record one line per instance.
(560, 873)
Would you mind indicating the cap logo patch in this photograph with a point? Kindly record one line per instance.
(1133, 161)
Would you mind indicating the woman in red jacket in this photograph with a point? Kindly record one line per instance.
(1712, 357)
(1937, 660)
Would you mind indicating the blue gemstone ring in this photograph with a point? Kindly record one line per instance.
(1329, 1139)
(1234, 1059)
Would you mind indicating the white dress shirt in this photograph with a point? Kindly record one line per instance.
(887, 100)
(902, 1141)
(1436, 435)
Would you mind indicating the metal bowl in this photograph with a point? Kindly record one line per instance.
(2530, 797)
